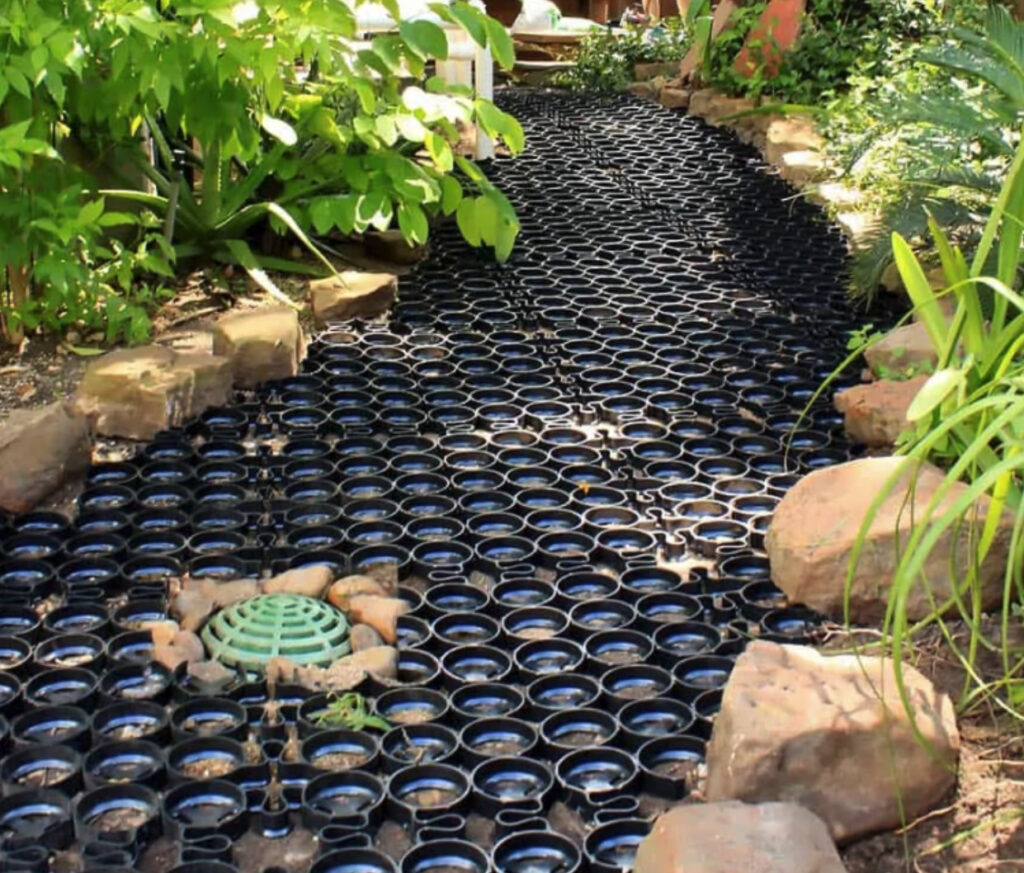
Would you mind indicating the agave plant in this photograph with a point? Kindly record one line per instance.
(954, 145)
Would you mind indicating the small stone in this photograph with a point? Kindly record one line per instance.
(40, 449)
(342, 591)
(351, 295)
(785, 135)
(674, 98)
(658, 69)
(262, 344)
(643, 90)
(362, 637)
(386, 573)
(310, 581)
(859, 226)
(729, 837)
(818, 521)
(382, 661)
(162, 632)
(191, 609)
(348, 672)
(223, 593)
(190, 644)
(281, 670)
(380, 613)
(211, 676)
(876, 413)
(135, 393)
(714, 106)
(832, 734)
(905, 350)
(169, 656)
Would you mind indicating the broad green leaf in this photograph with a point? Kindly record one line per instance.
(465, 216)
(84, 351)
(471, 20)
(498, 123)
(322, 215)
(426, 38)
(501, 43)
(413, 222)
(935, 390)
(920, 291)
(451, 194)
(280, 130)
(440, 151)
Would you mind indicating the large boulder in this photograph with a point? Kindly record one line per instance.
(832, 734)
(817, 523)
(262, 344)
(729, 837)
(352, 295)
(876, 413)
(134, 393)
(905, 350)
(40, 449)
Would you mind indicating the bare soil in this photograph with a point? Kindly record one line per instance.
(208, 768)
(120, 819)
(412, 716)
(339, 760)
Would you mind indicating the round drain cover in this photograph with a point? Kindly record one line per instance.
(250, 633)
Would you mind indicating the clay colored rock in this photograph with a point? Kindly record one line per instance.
(211, 676)
(674, 98)
(343, 675)
(352, 295)
(380, 613)
(183, 648)
(262, 344)
(191, 609)
(342, 591)
(643, 90)
(774, 34)
(815, 525)
(363, 637)
(135, 393)
(786, 135)
(733, 837)
(390, 246)
(646, 72)
(40, 449)
(876, 413)
(904, 350)
(714, 106)
(830, 733)
(311, 581)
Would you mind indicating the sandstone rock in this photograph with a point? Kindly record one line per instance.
(345, 673)
(211, 676)
(342, 591)
(674, 98)
(643, 90)
(311, 581)
(831, 734)
(859, 227)
(785, 135)
(836, 194)
(191, 608)
(40, 449)
(714, 107)
(380, 613)
(876, 413)
(729, 837)
(801, 168)
(162, 632)
(211, 379)
(904, 350)
(816, 524)
(223, 593)
(646, 72)
(352, 295)
(135, 393)
(363, 637)
(183, 648)
(262, 344)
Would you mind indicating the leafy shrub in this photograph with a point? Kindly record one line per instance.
(838, 38)
(967, 418)
(605, 61)
(262, 117)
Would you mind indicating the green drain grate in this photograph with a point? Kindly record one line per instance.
(250, 633)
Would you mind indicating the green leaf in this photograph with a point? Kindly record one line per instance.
(279, 130)
(501, 43)
(440, 151)
(465, 216)
(84, 351)
(413, 222)
(939, 386)
(920, 291)
(451, 194)
(425, 38)
(498, 123)
(470, 19)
